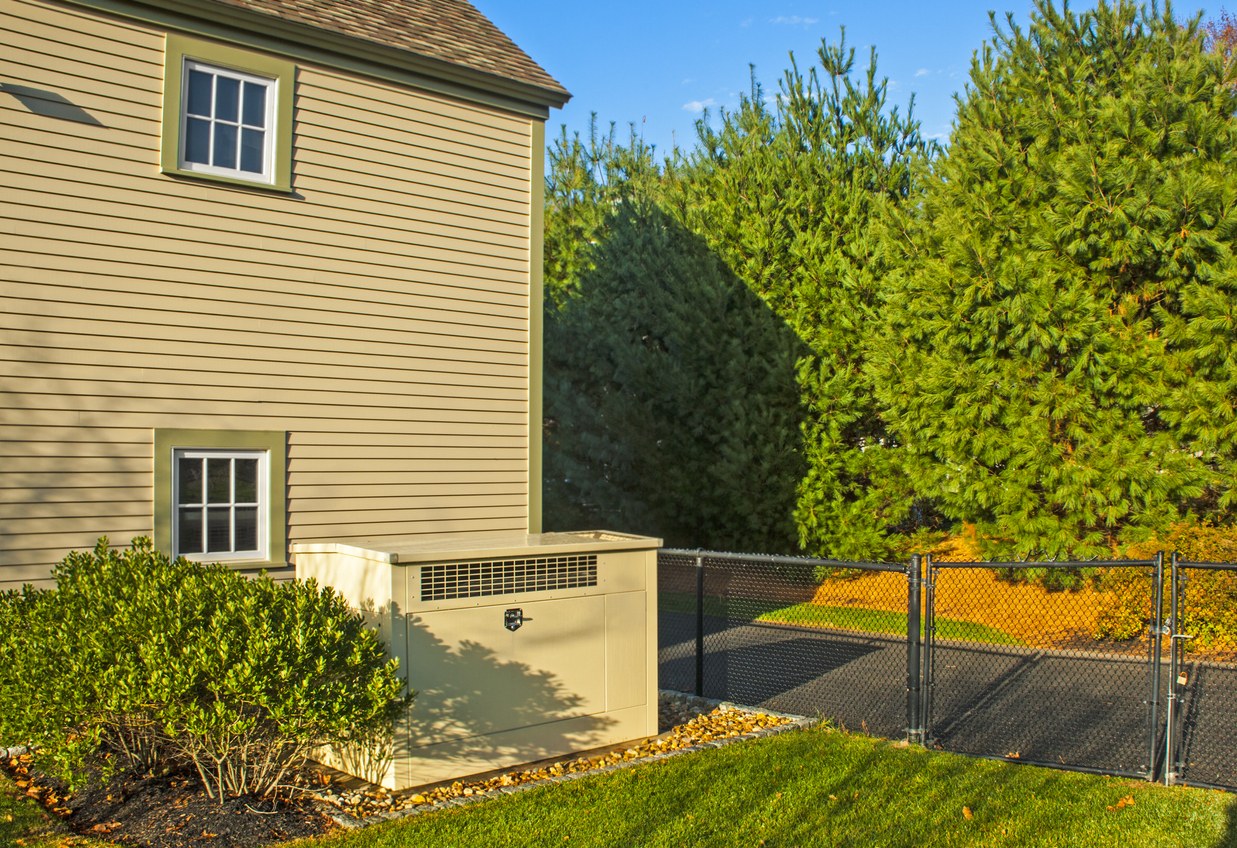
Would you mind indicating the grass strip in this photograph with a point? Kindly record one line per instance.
(841, 618)
(824, 788)
(25, 824)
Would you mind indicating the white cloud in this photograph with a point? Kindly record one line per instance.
(686, 81)
(698, 105)
(746, 22)
(793, 20)
(922, 72)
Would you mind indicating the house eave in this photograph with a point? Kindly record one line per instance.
(298, 40)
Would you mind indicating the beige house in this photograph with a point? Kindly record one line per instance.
(269, 274)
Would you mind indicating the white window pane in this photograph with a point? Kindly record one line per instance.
(246, 528)
(253, 146)
(254, 112)
(219, 481)
(219, 530)
(246, 481)
(227, 99)
(199, 94)
(189, 532)
(189, 472)
(197, 141)
(224, 155)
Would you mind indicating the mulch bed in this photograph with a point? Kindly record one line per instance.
(173, 811)
(170, 811)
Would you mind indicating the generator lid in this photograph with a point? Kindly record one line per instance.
(480, 546)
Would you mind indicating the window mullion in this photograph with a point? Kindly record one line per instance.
(203, 498)
(232, 504)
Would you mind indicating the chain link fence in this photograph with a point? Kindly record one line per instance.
(1080, 665)
(767, 632)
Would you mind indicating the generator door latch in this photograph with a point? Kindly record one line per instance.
(513, 618)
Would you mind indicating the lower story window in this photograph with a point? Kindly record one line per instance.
(219, 504)
(221, 496)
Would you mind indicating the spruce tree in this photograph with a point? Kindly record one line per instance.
(1058, 362)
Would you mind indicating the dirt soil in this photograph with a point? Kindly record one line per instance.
(168, 812)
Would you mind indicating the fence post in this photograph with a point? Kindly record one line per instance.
(1155, 649)
(929, 647)
(1170, 720)
(699, 624)
(914, 733)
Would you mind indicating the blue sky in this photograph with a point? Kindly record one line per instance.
(658, 63)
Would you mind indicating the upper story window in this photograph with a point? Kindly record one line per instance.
(227, 114)
(226, 122)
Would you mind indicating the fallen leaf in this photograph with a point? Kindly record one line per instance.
(833, 797)
(966, 813)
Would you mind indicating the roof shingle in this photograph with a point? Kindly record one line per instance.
(451, 31)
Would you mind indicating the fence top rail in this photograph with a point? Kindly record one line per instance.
(1212, 566)
(777, 559)
(1082, 563)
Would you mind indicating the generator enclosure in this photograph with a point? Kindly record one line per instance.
(520, 647)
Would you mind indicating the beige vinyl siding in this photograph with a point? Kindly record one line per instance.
(379, 314)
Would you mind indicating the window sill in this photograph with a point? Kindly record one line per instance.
(195, 176)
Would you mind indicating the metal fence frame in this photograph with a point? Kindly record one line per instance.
(1164, 709)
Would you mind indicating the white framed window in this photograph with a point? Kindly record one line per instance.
(219, 506)
(227, 122)
(227, 115)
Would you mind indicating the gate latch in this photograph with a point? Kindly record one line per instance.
(1160, 631)
(513, 619)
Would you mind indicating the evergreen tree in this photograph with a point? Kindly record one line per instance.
(1058, 363)
(787, 195)
(671, 402)
(583, 184)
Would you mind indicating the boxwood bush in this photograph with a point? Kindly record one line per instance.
(139, 660)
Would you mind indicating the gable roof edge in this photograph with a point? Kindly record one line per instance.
(343, 50)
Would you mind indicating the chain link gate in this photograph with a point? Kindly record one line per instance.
(1201, 733)
(1048, 695)
(970, 657)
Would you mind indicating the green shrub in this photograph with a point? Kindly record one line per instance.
(156, 662)
(1207, 601)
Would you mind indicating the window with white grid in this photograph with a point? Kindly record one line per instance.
(219, 508)
(227, 122)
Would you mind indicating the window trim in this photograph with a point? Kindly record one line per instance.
(274, 443)
(178, 49)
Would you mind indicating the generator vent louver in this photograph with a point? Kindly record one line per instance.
(506, 577)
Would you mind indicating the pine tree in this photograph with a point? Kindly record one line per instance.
(786, 194)
(671, 399)
(1058, 362)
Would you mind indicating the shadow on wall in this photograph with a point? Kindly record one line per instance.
(484, 698)
(49, 104)
(672, 402)
(490, 700)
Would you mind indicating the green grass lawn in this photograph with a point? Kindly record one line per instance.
(828, 789)
(23, 823)
(817, 615)
(813, 788)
